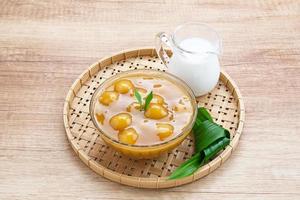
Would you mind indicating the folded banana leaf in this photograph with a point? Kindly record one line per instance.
(210, 139)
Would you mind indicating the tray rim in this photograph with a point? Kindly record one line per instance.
(143, 182)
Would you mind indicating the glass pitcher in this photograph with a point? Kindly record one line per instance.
(195, 55)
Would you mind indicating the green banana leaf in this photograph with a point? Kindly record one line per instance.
(187, 168)
(207, 133)
(210, 139)
(202, 116)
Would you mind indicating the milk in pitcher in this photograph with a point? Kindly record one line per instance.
(200, 69)
(195, 50)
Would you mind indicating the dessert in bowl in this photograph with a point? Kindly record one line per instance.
(143, 113)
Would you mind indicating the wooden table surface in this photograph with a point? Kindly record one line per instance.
(45, 45)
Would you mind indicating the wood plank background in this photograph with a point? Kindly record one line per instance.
(45, 45)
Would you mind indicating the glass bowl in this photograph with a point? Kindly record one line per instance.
(141, 151)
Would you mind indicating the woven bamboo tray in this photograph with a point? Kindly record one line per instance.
(224, 103)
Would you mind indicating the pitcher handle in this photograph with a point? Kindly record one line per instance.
(161, 40)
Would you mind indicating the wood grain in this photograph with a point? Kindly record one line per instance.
(45, 45)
